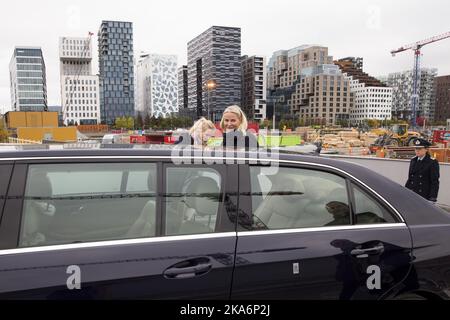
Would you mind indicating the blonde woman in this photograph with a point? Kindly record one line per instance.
(234, 119)
(234, 127)
(199, 134)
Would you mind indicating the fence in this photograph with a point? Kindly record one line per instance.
(23, 141)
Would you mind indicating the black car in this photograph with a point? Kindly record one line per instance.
(151, 223)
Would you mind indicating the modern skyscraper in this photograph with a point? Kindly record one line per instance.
(304, 83)
(254, 87)
(402, 85)
(28, 80)
(79, 88)
(182, 87)
(115, 46)
(372, 98)
(442, 98)
(214, 71)
(156, 84)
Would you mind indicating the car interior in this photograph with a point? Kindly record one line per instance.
(289, 200)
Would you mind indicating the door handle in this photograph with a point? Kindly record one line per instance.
(364, 253)
(188, 272)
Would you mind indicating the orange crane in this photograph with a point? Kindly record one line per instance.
(416, 73)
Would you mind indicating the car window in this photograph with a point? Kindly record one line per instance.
(192, 200)
(69, 203)
(368, 210)
(298, 198)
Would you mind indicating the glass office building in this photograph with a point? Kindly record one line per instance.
(214, 57)
(115, 45)
(27, 80)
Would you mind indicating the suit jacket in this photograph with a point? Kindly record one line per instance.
(423, 177)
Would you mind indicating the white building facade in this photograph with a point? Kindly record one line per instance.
(370, 102)
(157, 85)
(79, 87)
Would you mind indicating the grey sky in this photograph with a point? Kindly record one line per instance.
(367, 28)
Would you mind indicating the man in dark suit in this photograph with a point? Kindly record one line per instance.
(423, 177)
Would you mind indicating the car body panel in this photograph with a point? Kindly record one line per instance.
(417, 246)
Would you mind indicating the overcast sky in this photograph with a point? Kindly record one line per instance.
(366, 28)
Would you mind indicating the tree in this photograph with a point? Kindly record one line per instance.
(147, 121)
(301, 122)
(139, 121)
(130, 123)
(121, 123)
(3, 132)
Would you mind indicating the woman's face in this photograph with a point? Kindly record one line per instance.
(231, 121)
(421, 152)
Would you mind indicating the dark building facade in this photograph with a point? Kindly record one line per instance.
(115, 46)
(182, 87)
(442, 98)
(214, 57)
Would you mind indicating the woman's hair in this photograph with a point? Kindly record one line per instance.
(241, 115)
(201, 125)
(199, 128)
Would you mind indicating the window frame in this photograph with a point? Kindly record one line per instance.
(245, 198)
(222, 223)
(10, 226)
(372, 197)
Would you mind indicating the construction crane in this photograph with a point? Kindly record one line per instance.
(416, 72)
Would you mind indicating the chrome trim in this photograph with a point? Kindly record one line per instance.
(212, 158)
(322, 229)
(116, 243)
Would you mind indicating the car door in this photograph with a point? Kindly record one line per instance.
(99, 229)
(312, 233)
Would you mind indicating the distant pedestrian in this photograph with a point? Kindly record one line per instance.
(423, 176)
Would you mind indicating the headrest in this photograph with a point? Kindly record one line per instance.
(39, 186)
(284, 182)
(203, 195)
(314, 190)
(338, 194)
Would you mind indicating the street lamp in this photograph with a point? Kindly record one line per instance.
(210, 85)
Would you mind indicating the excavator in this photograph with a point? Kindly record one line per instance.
(396, 136)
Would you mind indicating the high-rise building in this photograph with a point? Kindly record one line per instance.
(442, 98)
(79, 88)
(254, 90)
(156, 84)
(402, 85)
(28, 80)
(182, 88)
(304, 83)
(372, 98)
(214, 71)
(115, 50)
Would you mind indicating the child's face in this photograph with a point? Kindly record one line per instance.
(231, 121)
(209, 133)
